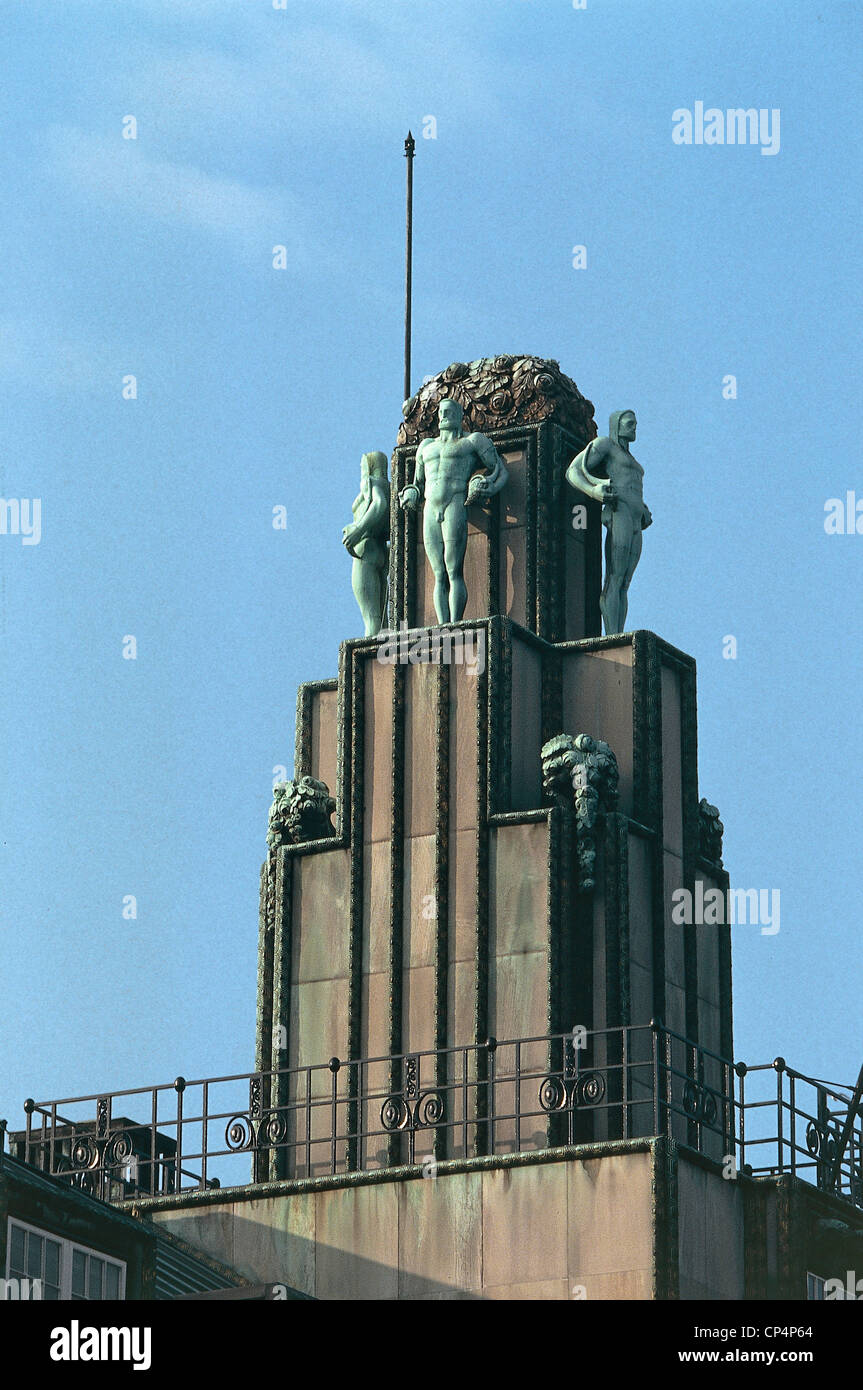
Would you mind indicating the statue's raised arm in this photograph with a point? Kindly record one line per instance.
(579, 476)
(485, 485)
(411, 496)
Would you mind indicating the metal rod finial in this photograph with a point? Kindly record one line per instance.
(410, 146)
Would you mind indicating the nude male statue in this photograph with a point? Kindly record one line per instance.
(366, 540)
(443, 473)
(623, 509)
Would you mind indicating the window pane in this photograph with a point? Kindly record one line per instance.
(94, 1278)
(112, 1281)
(16, 1251)
(34, 1255)
(52, 1262)
(79, 1274)
(51, 1291)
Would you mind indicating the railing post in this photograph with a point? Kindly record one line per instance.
(695, 1070)
(205, 1107)
(157, 1178)
(779, 1068)
(793, 1122)
(465, 1101)
(309, 1113)
(570, 1063)
(823, 1162)
(654, 1038)
(740, 1071)
(440, 1135)
(179, 1087)
(334, 1065)
(29, 1107)
(356, 1132)
(728, 1132)
(491, 1046)
(518, 1097)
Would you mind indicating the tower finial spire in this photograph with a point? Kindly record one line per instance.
(410, 146)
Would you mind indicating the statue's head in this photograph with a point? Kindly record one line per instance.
(621, 426)
(374, 465)
(450, 415)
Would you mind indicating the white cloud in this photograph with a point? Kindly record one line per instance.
(41, 353)
(271, 76)
(118, 172)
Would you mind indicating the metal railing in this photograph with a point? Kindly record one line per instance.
(524, 1094)
(791, 1123)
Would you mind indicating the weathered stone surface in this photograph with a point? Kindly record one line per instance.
(324, 737)
(711, 1234)
(519, 871)
(210, 1229)
(610, 1226)
(463, 697)
(358, 1242)
(376, 906)
(542, 1291)
(598, 695)
(440, 1235)
(375, 1014)
(462, 896)
(418, 1008)
(321, 886)
(518, 994)
(524, 1224)
(320, 1008)
(525, 775)
(377, 736)
(420, 698)
(624, 1286)
(675, 956)
(672, 762)
(420, 908)
(274, 1241)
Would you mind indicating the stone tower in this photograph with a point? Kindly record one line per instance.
(467, 891)
(472, 968)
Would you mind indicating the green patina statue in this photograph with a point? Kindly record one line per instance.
(623, 509)
(366, 540)
(443, 478)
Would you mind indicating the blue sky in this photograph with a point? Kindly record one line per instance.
(259, 387)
